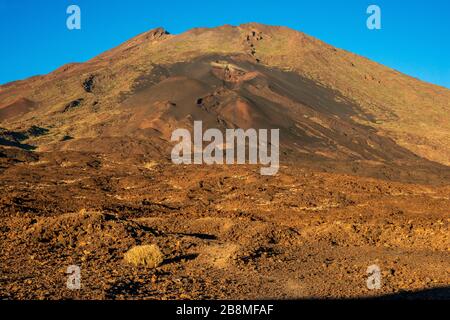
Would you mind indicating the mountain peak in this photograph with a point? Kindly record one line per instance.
(158, 33)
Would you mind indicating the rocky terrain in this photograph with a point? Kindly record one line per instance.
(86, 174)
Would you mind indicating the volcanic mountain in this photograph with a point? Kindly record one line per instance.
(86, 173)
(328, 103)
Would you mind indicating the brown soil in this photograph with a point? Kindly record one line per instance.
(225, 231)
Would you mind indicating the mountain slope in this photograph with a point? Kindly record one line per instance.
(339, 105)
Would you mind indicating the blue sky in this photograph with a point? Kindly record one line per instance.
(414, 39)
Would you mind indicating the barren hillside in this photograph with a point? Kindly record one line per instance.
(86, 174)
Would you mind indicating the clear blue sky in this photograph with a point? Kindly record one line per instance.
(415, 35)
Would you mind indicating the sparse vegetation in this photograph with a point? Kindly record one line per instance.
(147, 255)
(150, 165)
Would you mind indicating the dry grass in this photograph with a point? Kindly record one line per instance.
(150, 165)
(147, 255)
